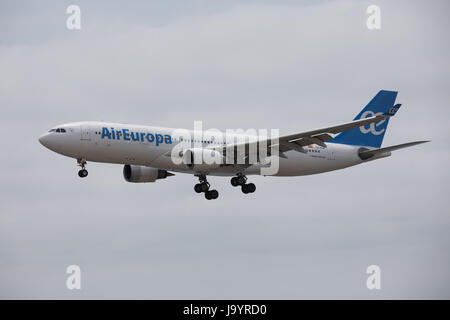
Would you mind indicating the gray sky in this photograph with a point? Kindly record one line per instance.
(292, 65)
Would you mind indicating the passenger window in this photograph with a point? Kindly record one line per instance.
(63, 130)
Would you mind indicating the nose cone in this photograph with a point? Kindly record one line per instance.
(53, 141)
(44, 140)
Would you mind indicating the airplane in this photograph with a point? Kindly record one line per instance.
(153, 153)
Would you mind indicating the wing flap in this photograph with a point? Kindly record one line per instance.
(318, 139)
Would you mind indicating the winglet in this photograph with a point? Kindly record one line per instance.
(392, 111)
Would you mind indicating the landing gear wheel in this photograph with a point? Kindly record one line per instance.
(248, 188)
(234, 181)
(82, 173)
(214, 194)
(241, 180)
(211, 194)
(204, 187)
(198, 188)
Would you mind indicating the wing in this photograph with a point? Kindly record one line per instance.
(298, 140)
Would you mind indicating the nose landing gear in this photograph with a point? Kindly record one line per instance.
(83, 172)
(204, 186)
(240, 180)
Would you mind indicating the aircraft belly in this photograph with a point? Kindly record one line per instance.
(298, 164)
(120, 152)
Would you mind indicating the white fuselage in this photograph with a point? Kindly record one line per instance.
(152, 146)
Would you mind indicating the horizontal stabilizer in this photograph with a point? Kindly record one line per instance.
(366, 154)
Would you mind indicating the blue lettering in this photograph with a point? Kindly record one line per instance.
(125, 135)
(159, 139)
(135, 138)
(106, 133)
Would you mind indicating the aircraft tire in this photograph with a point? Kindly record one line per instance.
(82, 173)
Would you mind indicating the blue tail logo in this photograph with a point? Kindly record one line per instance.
(372, 128)
(371, 135)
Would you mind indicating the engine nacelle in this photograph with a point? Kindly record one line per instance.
(202, 160)
(143, 174)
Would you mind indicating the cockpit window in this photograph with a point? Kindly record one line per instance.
(60, 130)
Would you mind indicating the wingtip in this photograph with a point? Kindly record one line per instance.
(423, 141)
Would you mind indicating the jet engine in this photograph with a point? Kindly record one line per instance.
(133, 173)
(199, 159)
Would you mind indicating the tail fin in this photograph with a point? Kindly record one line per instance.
(371, 135)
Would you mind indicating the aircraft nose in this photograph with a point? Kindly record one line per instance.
(44, 140)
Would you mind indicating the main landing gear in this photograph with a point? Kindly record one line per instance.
(240, 180)
(83, 172)
(203, 186)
